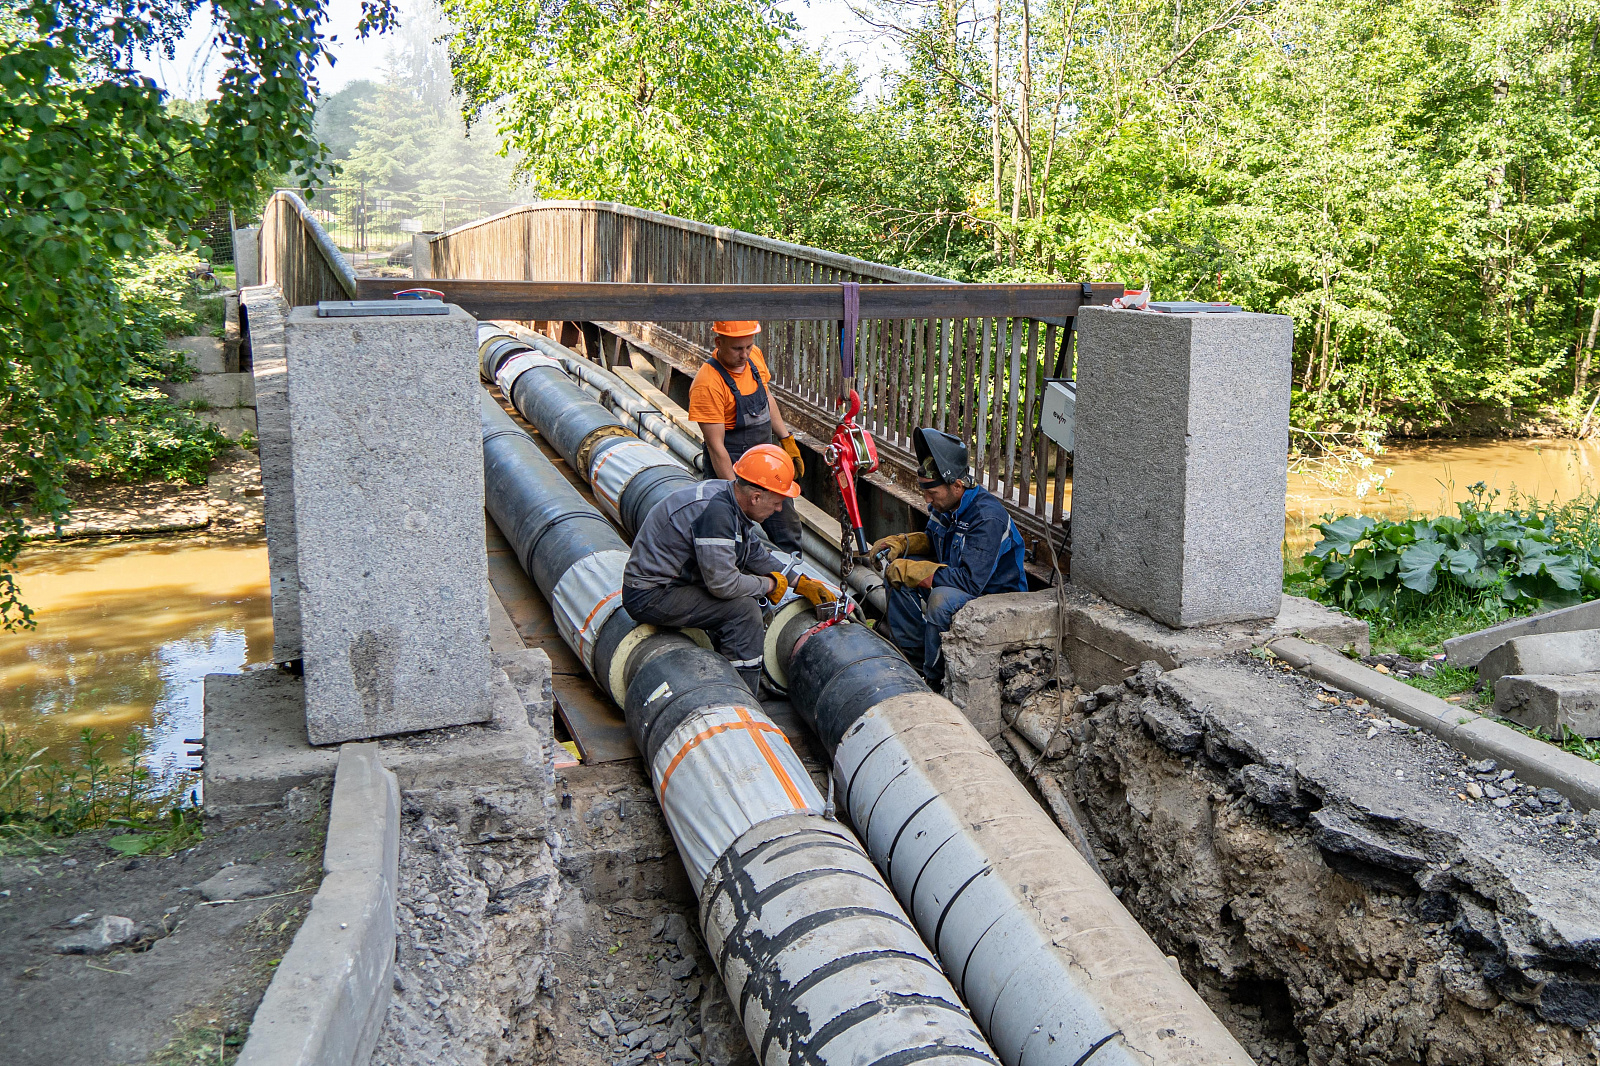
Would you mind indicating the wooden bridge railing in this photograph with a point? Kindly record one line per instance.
(298, 256)
(981, 378)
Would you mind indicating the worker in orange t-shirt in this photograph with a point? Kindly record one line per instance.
(736, 410)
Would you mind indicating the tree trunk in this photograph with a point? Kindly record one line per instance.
(994, 92)
(1025, 109)
(1580, 374)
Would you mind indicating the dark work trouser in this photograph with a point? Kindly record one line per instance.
(734, 626)
(917, 620)
(783, 529)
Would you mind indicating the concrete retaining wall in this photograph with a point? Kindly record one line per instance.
(327, 999)
(1104, 643)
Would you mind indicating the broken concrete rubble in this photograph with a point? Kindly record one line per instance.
(1574, 652)
(1557, 704)
(1470, 648)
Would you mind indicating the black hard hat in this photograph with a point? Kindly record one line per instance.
(941, 458)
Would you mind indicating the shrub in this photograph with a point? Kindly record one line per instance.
(156, 438)
(91, 790)
(1518, 559)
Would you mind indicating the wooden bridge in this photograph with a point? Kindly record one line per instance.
(968, 359)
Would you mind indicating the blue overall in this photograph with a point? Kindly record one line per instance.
(982, 552)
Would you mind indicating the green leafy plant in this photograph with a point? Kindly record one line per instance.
(1525, 559)
(91, 790)
(156, 438)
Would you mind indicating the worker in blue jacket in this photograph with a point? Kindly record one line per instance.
(970, 548)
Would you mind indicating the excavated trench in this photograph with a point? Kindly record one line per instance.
(1323, 874)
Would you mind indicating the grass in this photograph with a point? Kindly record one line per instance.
(1570, 742)
(97, 788)
(1415, 628)
(204, 1044)
(1447, 680)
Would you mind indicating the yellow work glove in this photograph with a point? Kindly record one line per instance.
(779, 589)
(793, 449)
(814, 590)
(903, 544)
(909, 573)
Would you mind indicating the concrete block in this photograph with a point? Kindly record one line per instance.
(256, 747)
(215, 391)
(234, 422)
(247, 256)
(421, 256)
(1577, 652)
(389, 522)
(264, 312)
(326, 1003)
(1181, 465)
(206, 354)
(1470, 648)
(1551, 702)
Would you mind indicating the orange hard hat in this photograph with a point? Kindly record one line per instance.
(770, 467)
(736, 329)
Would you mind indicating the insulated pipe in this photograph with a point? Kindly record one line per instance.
(1055, 971)
(818, 958)
(616, 393)
(628, 476)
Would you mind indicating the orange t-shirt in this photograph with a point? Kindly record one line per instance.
(709, 398)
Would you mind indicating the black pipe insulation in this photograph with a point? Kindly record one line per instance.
(1055, 971)
(628, 476)
(818, 958)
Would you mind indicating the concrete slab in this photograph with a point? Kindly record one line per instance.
(1576, 652)
(264, 311)
(1536, 761)
(1470, 648)
(1181, 462)
(213, 389)
(206, 354)
(1551, 702)
(234, 422)
(1105, 643)
(389, 522)
(255, 739)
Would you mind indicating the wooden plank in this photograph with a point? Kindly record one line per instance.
(1013, 395)
(981, 409)
(629, 301)
(1041, 470)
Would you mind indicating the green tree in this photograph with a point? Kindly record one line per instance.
(95, 169)
(674, 106)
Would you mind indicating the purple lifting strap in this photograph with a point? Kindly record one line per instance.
(847, 336)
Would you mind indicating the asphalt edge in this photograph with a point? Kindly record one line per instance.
(327, 1000)
(1473, 734)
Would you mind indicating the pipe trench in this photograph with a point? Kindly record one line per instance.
(818, 958)
(1054, 970)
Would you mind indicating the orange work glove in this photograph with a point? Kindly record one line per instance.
(793, 449)
(909, 573)
(814, 590)
(779, 589)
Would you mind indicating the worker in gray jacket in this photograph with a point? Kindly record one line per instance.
(697, 562)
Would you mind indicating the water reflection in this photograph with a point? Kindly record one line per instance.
(127, 632)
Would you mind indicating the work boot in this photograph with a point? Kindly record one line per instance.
(751, 676)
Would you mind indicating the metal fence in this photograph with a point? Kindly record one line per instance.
(981, 378)
(362, 218)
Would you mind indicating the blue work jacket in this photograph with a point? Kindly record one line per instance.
(979, 546)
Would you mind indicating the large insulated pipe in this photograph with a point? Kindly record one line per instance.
(628, 476)
(1055, 971)
(819, 960)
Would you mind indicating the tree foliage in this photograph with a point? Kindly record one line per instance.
(95, 168)
(679, 107)
(1415, 182)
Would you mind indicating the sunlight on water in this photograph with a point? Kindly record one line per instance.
(127, 632)
(1430, 479)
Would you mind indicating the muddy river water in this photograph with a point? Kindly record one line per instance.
(126, 633)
